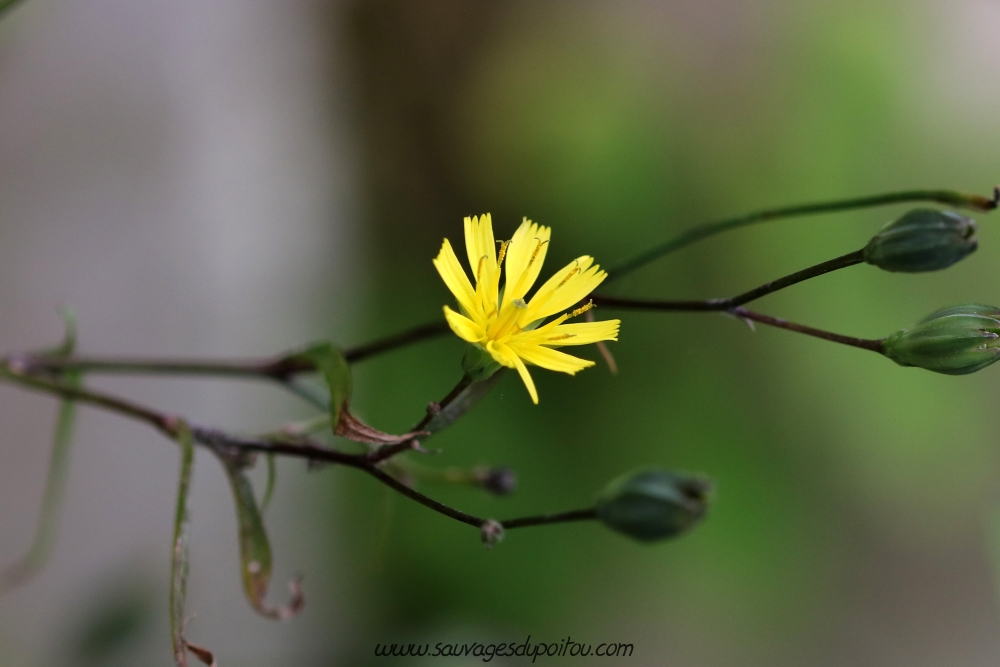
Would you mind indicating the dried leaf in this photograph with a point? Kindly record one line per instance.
(352, 428)
(330, 362)
(179, 561)
(202, 653)
(255, 550)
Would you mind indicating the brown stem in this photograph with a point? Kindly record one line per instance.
(873, 344)
(280, 369)
(228, 445)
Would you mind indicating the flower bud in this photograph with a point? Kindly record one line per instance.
(652, 505)
(491, 533)
(956, 341)
(498, 481)
(922, 240)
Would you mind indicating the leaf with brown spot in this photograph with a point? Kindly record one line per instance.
(255, 550)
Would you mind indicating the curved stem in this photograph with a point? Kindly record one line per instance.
(873, 344)
(229, 446)
(850, 259)
(947, 197)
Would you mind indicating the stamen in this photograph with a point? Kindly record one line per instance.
(503, 252)
(538, 249)
(519, 303)
(479, 269)
(582, 309)
(569, 275)
(520, 287)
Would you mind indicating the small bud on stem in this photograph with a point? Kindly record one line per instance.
(922, 240)
(652, 505)
(955, 341)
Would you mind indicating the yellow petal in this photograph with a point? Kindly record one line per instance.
(455, 279)
(522, 370)
(576, 283)
(463, 327)
(525, 257)
(559, 278)
(479, 243)
(550, 359)
(582, 333)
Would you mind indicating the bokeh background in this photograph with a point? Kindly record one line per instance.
(235, 178)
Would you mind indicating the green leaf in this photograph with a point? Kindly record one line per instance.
(179, 561)
(272, 475)
(55, 484)
(255, 549)
(461, 402)
(330, 362)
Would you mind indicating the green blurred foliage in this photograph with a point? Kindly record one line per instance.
(618, 130)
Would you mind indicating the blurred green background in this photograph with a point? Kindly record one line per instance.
(855, 500)
(854, 497)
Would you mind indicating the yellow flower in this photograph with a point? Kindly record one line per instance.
(500, 321)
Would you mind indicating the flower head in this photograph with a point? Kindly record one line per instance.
(500, 321)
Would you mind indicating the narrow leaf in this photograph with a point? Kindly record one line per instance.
(332, 365)
(352, 428)
(179, 561)
(255, 549)
(202, 653)
(55, 484)
(457, 405)
(272, 475)
(330, 362)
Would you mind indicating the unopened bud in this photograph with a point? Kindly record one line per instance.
(491, 532)
(499, 481)
(652, 505)
(956, 341)
(922, 240)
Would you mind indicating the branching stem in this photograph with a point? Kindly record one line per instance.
(873, 344)
(228, 445)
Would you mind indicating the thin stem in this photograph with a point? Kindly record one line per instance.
(850, 259)
(873, 344)
(414, 335)
(947, 197)
(386, 452)
(426, 501)
(228, 445)
(559, 517)
(444, 402)
(280, 369)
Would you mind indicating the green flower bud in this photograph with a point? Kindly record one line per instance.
(652, 505)
(478, 364)
(922, 240)
(957, 340)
